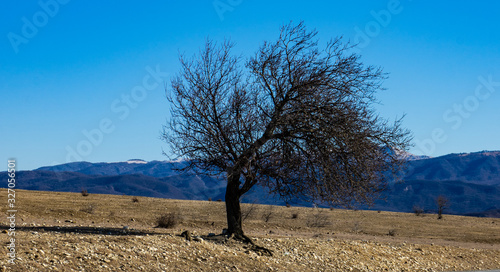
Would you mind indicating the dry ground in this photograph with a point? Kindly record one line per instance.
(71, 232)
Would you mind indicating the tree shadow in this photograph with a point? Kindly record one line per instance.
(84, 230)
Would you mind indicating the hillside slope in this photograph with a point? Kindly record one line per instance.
(470, 181)
(69, 232)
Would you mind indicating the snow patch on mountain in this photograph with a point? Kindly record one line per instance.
(136, 161)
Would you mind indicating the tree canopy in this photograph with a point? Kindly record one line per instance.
(295, 118)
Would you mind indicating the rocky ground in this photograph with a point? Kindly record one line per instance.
(78, 242)
(40, 250)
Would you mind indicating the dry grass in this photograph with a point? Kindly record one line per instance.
(319, 218)
(89, 208)
(36, 207)
(321, 237)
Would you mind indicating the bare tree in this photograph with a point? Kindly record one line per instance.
(268, 213)
(442, 204)
(418, 210)
(249, 210)
(294, 118)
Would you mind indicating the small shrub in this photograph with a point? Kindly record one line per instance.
(209, 199)
(392, 232)
(90, 209)
(318, 220)
(85, 193)
(219, 200)
(443, 203)
(295, 215)
(168, 220)
(288, 205)
(357, 227)
(248, 210)
(135, 199)
(418, 210)
(268, 214)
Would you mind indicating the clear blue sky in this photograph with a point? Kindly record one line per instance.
(73, 70)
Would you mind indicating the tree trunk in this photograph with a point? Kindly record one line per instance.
(233, 209)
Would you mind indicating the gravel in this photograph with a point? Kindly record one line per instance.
(73, 251)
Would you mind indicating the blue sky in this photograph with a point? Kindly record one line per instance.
(85, 81)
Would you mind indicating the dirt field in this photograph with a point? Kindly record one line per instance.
(71, 232)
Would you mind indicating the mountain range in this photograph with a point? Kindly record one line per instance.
(470, 181)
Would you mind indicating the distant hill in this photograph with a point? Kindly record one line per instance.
(470, 181)
(464, 198)
(478, 168)
(175, 186)
(154, 168)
